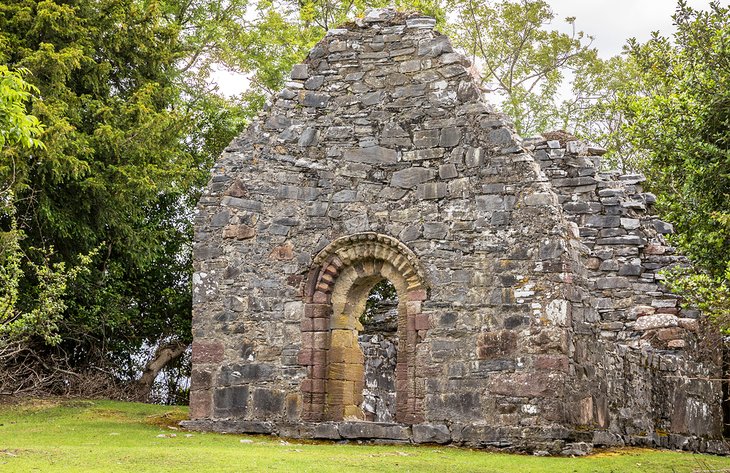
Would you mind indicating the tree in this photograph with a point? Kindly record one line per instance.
(40, 320)
(682, 122)
(595, 111)
(131, 131)
(523, 61)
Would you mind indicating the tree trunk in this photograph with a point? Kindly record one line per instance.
(164, 355)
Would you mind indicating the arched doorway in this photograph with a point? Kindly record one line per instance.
(342, 277)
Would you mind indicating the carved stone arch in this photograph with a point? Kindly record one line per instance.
(335, 293)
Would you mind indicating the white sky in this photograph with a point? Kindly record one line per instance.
(610, 22)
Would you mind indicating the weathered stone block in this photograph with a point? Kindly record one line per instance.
(244, 373)
(231, 401)
(650, 322)
(411, 177)
(435, 230)
(494, 345)
(450, 137)
(314, 99)
(432, 190)
(431, 433)
(207, 352)
(534, 384)
(373, 430)
(371, 155)
(268, 402)
(300, 71)
(447, 171)
(612, 283)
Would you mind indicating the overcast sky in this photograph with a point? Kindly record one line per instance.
(611, 22)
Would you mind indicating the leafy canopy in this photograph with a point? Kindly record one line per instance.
(523, 60)
(130, 131)
(682, 122)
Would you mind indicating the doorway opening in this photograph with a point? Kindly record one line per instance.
(378, 341)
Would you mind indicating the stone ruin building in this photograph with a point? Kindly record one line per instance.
(530, 313)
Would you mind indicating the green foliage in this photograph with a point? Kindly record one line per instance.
(682, 122)
(383, 291)
(523, 60)
(17, 126)
(595, 112)
(131, 129)
(41, 319)
(709, 294)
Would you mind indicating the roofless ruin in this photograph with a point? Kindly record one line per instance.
(528, 311)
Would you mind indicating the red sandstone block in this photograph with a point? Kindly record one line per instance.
(320, 340)
(552, 362)
(320, 297)
(318, 371)
(418, 295)
(307, 325)
(312, 412)
(312, 386)
(207, 352)
(422, 322)
(334, 412)
(322, 287)
(667, 310)
(315, 325)
(318, 386)
(314, 311)
(307, 340)
(320, 325)
(319, 357)
(305, 357)
(200, 404)
(410, 323)
(411, 341)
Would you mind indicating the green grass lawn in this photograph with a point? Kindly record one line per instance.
(106, 436)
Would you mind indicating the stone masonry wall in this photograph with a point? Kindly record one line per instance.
(530, 312)
(628, 328)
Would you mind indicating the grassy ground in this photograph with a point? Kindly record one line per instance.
(105, 436)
